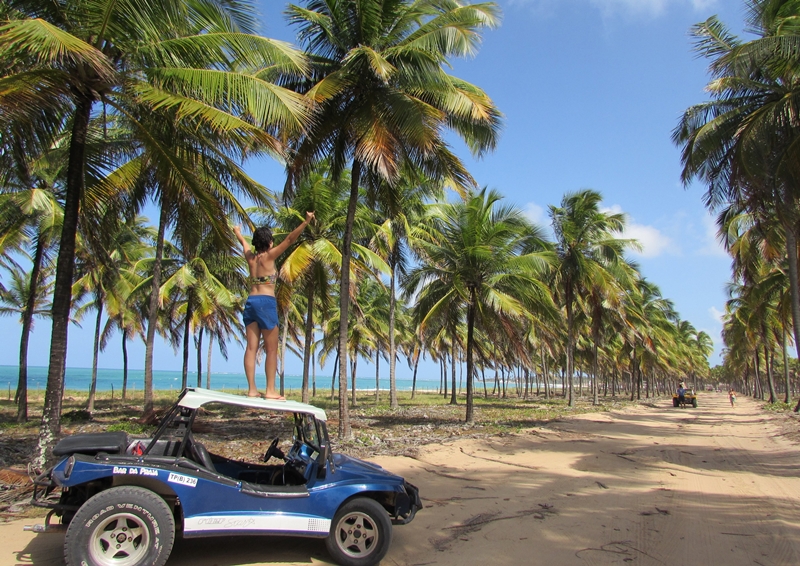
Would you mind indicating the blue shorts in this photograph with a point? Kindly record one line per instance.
(262, 309)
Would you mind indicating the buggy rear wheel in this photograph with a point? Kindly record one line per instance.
(121, 526)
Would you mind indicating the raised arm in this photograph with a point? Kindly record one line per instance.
(237, 230)
(292, 236)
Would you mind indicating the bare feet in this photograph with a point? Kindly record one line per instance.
(256, 394)
(274, 397)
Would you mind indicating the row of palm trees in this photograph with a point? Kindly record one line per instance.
(163, 101)
(744, 144)
(112, 104)
(476, 282)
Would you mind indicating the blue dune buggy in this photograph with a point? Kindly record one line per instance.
(123, 500)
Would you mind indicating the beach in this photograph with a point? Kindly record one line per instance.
(648, 485)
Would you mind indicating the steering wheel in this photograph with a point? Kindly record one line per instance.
(273, 450)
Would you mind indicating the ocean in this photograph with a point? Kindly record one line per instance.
(80, 379)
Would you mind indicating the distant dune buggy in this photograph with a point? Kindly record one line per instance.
(690, 398)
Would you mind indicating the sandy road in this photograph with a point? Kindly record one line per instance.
(648, 486)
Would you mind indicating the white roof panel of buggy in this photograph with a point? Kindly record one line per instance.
(196, 397)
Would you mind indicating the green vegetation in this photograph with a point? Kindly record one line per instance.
(743, 144)
(104, 109)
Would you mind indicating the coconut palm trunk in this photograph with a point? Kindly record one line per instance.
(344, 301)
(471, 308)
(309, 338)
(545, 376)
(794, 281)
(570, 346)
(787, 383)
(595, 400)
(199, 350)
(353, 367)
(95, 354)
(208, 360)
(414, 376)
(152, 316)
(62, 292)
(21, 397)
(768, 360)
(187, 330)
(313, 374)
(377, 376)
(124, 364)
(333, 376)
(453, 390)
(392, 345)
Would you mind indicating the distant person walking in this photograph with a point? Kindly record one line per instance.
(260, 315)
(732, 397)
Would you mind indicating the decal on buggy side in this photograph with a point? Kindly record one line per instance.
(183, 480)
(122, 470)
(284, 522)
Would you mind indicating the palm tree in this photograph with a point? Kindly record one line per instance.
(363, 334)
(372, 302)
(603, 303)
(384, 100)
(761, 285)
(585, 244)
(312, 264)
(108, 248)
(743, 143)
(402, 206)
(481, 265)
(199, 283)
(126, 312)
(206, 70)
(34, 215)
(20, 300)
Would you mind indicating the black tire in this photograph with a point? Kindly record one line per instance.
(360, 533)
(694, 403)
(122, 526)
(674, 402)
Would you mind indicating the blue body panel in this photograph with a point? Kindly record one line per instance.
(214, 504)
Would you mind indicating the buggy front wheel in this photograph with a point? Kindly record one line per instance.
(360, 533)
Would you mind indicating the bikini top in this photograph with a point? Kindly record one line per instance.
(268, 279)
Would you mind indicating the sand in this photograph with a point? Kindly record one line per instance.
(654, 485)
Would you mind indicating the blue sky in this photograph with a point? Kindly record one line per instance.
(590, 91)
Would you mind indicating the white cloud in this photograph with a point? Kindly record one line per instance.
(650, 8)
(653, 243)
(711, 245)
(651, 240)
(535, 214)
(626, 8)
(716, 314)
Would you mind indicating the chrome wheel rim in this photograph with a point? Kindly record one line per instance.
(357, 535)
(122, 539)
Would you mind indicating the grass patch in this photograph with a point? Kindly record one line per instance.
(779, 407)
